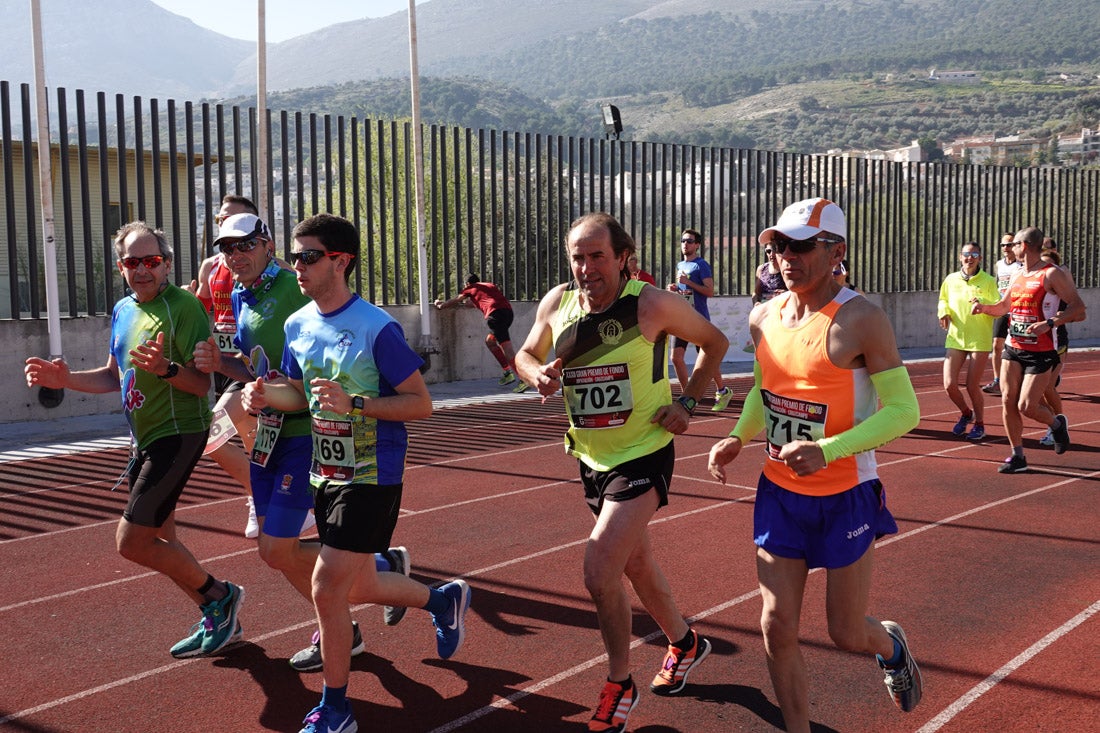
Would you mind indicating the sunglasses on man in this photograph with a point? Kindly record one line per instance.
(150, 262)
(247, 245)
(311, 256)
(800, 246)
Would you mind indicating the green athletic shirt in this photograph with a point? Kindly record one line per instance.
(260, 312)
(154, 408)
(614, 380)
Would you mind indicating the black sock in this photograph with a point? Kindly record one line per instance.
(686, 643)
(212, 590)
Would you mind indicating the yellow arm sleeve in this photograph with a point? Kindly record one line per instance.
(751, 420)
(900, 413)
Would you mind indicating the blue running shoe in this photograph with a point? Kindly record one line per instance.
(977, 432)
(450, 626)
(327, 719)
(191, 645)
(220, 619)
(960, 426)
(904, 681)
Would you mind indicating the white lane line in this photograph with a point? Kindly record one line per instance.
(999, 676)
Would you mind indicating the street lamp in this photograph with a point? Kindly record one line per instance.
(612, 122)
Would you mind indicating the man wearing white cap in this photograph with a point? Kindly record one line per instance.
(265, 296)
(825, 357)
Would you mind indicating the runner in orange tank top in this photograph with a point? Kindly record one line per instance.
(825, 357)
(1031, 350)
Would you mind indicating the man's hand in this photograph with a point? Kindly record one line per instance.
(721, 453)
(52, 374)
(803, 457)
(208, 358)
(253, 398)
(945, 322)
(330, 395)
(549, 379)
(150, 357)
(674, 418)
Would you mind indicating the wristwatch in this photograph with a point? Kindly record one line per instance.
(688, 403)
(357, 403)
(173, 370)
(1050, 324)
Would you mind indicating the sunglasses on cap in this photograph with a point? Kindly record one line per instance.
(800, 246)
(150, 261)
(247, 245)
(311, 256)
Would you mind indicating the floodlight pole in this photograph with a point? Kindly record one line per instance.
(45, 188)
(260, 194)
(418, 164)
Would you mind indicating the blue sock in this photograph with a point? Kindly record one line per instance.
(1018, 451)
(437, 602)
(381, 563)
(895, 660)
(335, 697)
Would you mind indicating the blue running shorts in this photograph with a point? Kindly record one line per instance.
(825, 531)
(280, 490)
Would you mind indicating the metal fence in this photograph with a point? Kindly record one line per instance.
(497, 203)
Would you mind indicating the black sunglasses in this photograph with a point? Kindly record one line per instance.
(150, 262)
(228, 248)
(800, 246)
(311, 256)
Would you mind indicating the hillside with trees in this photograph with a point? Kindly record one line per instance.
(776, 76)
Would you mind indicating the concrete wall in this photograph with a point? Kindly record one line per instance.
(458, 337)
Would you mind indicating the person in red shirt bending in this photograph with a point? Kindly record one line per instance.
(489, 299)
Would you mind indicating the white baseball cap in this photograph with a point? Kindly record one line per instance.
(240, 227)
(809, 218)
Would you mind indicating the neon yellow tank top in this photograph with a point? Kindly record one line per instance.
(614, 380)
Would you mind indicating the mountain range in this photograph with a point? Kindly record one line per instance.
(796, 74)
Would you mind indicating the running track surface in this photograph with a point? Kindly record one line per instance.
(994, 578)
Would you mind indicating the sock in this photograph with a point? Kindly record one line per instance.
(625, 684)
(979, 424)
(212, 590)
(1018, 451)
(685, 643)
(895, 660)
(335, 697)
(382, 562)
(437, 602)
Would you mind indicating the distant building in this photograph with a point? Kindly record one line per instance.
(990, 150)
(1079, 148)
(955, 77)
(912, 153)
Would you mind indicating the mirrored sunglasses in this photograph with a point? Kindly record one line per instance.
(311, 256)
(247, 245)
(150, 262)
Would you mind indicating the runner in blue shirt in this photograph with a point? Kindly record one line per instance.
(347, 361)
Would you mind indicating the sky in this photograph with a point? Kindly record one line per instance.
(285, 18)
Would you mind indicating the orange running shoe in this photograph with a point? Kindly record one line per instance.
(678, 664)
(617, 699)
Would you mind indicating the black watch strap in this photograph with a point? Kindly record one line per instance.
(173, 370)
(688, 403)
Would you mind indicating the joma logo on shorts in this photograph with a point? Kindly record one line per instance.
(638, 482)
(852, 534)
